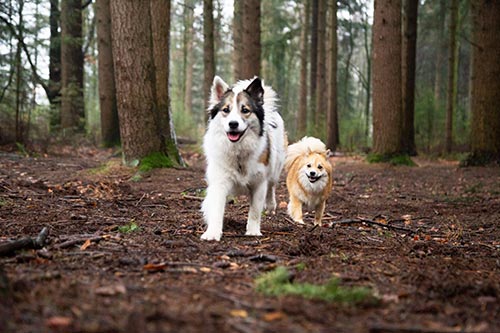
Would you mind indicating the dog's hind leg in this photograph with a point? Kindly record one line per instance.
(213, 212)
(257, 199)
(320, 209)
(271, 198)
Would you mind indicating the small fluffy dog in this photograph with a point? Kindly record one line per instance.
(309, 178)
(245, 148)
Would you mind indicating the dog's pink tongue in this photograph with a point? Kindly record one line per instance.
(233, 136)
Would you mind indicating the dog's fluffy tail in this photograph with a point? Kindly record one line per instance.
(305, 146)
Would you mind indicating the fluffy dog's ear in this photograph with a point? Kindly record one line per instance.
(219, 87)
(256, 91)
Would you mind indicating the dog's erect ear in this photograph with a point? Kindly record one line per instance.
(256, 91)
(219, 87)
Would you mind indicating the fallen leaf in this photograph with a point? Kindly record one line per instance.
(154, 267)
(272, 316)
(85, 245)
(238, 313)
(58, 322)
(205, 269)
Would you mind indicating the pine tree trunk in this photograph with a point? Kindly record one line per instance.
(237, 40)
(72, 107)
(332, 141)
(302, 112)
(321, 88)
(485, 82)
(189, 56)
(110, 129)
(451, 93)
(208, 50)
(313, 54)
(387, 103)
(251, 39)
(368, 79)
(408, 71)
(54, 54)
(135, 79)
(440, 50)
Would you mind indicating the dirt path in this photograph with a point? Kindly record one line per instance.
(125, 255)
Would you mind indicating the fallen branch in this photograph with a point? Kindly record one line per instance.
(24, 243)
(72, 242)
(192, 197)
(366, 221)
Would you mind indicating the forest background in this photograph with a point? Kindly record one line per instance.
(30, 90)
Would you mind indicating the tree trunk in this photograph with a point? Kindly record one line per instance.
(19, 75)
(313, 54)
(451, 93)
(321, 88)
(251, 39)
(387, 104)
(135, 79)
(440, 50)
(188, 56)
(332, 141)
(368, 78)
(208, 50)
(408, 71)
(485, 82)
(160, 29)
(72, 108)
(110, 129)
(237, 40)
(54, 54)
(302, 112)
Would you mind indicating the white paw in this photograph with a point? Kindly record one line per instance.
(209, 236)
(300, 221)
(253, 233)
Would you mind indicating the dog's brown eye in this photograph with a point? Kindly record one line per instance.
(225, 110)
(320, 166)
(244, 110)
(309, 165)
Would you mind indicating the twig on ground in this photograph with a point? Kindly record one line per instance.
(361, 220)
(24, 243)
(72, 242)
(192, 197)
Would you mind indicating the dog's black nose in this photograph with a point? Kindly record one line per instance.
(312, 173)
(233, 124)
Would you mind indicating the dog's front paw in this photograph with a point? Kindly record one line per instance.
(253, 233)
(210, 236)
(299, 221)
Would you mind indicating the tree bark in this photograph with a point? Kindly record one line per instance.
(110, 128)
(313, 54)
(485, 82)
(135, 79)
(440, 50)
(368, 88)
(208, 50)
(188, 56)
(251, 39)
(72, 107)
(408, 71)
(332, 141)
(302, 112)
(387, 104)
(321, 88)
(451, 93)
(54, 54)
(237, 40)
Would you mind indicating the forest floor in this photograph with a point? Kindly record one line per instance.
(124, 253)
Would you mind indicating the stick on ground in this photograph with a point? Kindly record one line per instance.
(24, 243)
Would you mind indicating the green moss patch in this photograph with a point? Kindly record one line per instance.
(155, 160)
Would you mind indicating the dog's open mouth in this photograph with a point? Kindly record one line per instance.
(235, 136)
(314, 179)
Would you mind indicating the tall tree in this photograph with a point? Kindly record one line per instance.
(485, 82)
(188, 55)
(451, 92)
(387, 103)
(208, 50)
(110, 129)
(408, 71)
(368, 86)
(72, 108)
(160, 29)
(135, 77)
(321, 101)
(313, 55)
(54, 85)
(332, 141)
(302, 112)
(438, 80)
(250, 39)
(237, 40)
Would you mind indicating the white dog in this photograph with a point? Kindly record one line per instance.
(245, 148)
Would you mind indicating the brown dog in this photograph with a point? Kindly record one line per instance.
(309, 178)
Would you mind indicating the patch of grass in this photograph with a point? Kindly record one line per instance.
(278, 282)
(22, 149)
(128, 228)
(155, 160)
(391, 159)
(300, 266)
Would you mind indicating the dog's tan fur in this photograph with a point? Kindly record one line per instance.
(309, 154)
